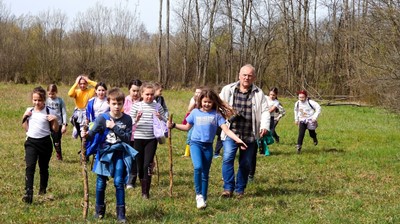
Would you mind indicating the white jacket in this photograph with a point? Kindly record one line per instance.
(260, 114)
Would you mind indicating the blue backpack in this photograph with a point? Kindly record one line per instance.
(93, 145)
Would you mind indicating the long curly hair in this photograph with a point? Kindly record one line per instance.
(220, 106)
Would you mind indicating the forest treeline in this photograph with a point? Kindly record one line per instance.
(331, 47)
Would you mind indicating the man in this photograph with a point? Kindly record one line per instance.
(250, 123)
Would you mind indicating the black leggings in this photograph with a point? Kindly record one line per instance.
(144, 159)
(37, 150)
(302, 132)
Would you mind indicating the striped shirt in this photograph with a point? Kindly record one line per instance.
(144, 127)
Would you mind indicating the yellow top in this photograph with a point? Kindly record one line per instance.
(82, 97)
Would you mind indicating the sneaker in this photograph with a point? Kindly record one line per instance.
(251, 178)
(239, 195)
(129, 186)
(315, 141)
(226, 194)
(75, 133)
(200, 203)
(298, 148)
(216, 156)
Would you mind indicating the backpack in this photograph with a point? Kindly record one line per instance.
(308, 101)
(93, 145)
(47, 111)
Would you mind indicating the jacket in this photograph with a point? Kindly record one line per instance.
(260, 114)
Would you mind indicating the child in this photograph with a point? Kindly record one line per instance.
(145, 142)
(306, 113)
(276, 110)
(133, 97)
(57, 104)
(204, 120)
(115, 155)
(38, 122)
(159, 98)
(81, 97)
(192, 105)
(98, 104)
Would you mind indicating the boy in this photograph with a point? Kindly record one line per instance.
(115, 155)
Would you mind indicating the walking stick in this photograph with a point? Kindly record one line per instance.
(85, 176)
(158, 171)
(171, 173)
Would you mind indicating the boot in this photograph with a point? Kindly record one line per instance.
(145, 191)
(121, 213)
(42, 191)
(148, 187)
(187, 151)
(28, 197)
(100, 211)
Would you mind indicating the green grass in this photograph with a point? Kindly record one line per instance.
(352, 176)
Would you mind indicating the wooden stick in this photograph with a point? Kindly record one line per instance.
(85, 175)
(158, 171)
(171, 173)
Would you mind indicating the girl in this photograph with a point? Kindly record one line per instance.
(159, 98)
(98, 104)
(81, 97)
(38, 123)
(210, 114)
(276, 110)
(306, 113)
(192, 105)
(133, 97)
(145, 142)
(57, 104)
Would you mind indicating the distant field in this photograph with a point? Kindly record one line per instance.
(352, 176)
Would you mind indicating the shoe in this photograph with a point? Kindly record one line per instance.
(216, 156)
(239, 195)
(251, 178)
(75, 133)
(129, 186)
(315, 141)
(277, 139)
(298, 148)
(226, 194)
(200, 203)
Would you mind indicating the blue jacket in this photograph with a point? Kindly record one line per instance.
(104, 164)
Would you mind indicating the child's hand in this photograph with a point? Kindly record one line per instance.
(63, 129)
(110, 123)
(84, 133)
(51, 117)
(170, 125)
(139, 115)
(241, 145)
(78, 78)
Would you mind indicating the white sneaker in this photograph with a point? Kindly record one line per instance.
(129, 186)
(200, 201)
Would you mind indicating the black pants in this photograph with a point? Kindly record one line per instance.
(302, 132)
(134, 169)
(144, 159)
(37, 150)
(56, 136)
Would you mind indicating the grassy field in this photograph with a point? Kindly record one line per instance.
(352, 176)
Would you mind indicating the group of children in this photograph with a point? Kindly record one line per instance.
(129, 146)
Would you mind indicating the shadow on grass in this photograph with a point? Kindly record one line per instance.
(307, 151)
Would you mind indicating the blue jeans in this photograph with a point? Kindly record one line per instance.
(245, 159)
(201, 154)
(101, 182)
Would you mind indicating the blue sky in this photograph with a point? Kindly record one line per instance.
(148, 9)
